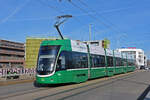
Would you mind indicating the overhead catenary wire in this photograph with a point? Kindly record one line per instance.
(57, 10)
(106, 11)
(50, 6)
(89, 16)
(91, 9)
(95, 18)
(82, 23)
(74, 17)
(83, 3)
(114, 26)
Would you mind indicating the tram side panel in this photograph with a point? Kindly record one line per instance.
(76, 65)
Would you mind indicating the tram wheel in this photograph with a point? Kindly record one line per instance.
(36, 84)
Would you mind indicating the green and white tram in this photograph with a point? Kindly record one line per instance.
(69, 61)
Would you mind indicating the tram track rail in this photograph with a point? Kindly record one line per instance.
(22, 93)
(86, 86)
(75, 93)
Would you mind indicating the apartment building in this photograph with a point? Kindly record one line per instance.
(11, 54)
(138, 54)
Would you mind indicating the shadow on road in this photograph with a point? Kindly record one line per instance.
(143, 95)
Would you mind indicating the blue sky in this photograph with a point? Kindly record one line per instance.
(126, 23)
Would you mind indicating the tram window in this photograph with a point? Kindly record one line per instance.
(130, 62)
(72, 60)
(110, 61)
(69, 61)
(92, 60)
(107, 61)
(97, 61)
(76, 60)
(133, 62)
(124, 62)
(102, 61)
(61, 62)
(83, 60)
(118, 60)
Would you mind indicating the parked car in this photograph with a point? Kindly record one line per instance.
(142, 67)
(147, 68)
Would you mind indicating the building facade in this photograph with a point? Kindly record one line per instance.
(32, 49)
(138, 54)
(11, 54)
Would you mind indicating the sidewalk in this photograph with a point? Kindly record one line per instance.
(20, 79)
(15, 81)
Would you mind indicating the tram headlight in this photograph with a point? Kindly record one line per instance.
(42, 79)
(59, 74)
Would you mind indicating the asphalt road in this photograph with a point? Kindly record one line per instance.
(129, 86)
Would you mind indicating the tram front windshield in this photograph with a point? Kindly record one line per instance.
(46, 59)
